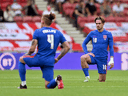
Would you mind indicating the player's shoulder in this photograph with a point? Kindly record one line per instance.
(107, 32)
(93, 32)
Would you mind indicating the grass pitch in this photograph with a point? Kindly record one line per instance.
(115, 85)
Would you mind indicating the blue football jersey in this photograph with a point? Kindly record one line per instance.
(48, 41)
(100, 42)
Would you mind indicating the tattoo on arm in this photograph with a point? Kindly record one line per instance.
(62, 54)
(31, 50)
(33, 42)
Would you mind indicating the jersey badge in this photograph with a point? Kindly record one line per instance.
(105, 37)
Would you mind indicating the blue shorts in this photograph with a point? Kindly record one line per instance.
(101, 63)
(33, 61)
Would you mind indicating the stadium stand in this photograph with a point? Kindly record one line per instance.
(85, 23)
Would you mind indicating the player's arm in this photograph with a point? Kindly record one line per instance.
(84, 45)
(33, 47)
(65, 49)
(34, 43)
(111, 62)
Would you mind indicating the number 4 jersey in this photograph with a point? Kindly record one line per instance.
(48, 41)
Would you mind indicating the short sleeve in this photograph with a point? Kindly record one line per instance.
(62, 38)
(35, 35)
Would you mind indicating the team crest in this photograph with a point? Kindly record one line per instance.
(105, 37)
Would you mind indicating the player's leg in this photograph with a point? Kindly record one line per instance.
(51, 83)
(102, 77)
(30, 61)
(85, 59)
(22, 72)
(102, 69)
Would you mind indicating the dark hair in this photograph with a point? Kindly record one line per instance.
(99, 18)
(48, 18)
(7, 8)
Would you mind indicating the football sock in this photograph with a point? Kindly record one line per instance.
(52, 84)
(85, 70)
(22, 71)
(23, 83)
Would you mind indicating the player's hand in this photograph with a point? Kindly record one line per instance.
(91, 54)
(56, 60)
(111, 65)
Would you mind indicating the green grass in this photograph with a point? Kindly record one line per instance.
(115, 85)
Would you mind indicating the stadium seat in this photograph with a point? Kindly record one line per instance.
(81, 21)
(126, 19)
(23, 4)
(110, 19)
(18, 19)
(86, 30)
(91, 18)
(36, 19)
(40, 12)
(119, 19)
(4, 5)
(76, 47)
(27, 19)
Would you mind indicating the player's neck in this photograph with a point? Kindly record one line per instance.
(101, 30)
(44, 25)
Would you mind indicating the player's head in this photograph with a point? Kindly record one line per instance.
(46, 20)
(48, 8)
(99, 22)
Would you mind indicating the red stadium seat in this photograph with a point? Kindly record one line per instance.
(91, 18)
(76, 47)
(126, 19)
(110, 19)
(40, 12)
(4, 5)
(120, 19)
(81, 21)
(36, 19)
(27, 19)
(23, 4)
(18, 19)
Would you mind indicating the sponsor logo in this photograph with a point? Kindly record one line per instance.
(7, 61)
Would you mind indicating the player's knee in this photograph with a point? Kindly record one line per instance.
(84, 57)
(46, 86)
(21, 58)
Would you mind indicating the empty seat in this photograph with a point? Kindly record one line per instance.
(91, 18)
(119, 19)
(36, 19)
(110, 19)
(76, 47)
(18, 19)
(27, 19)
(40, 12)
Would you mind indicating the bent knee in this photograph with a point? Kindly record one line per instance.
(46, 87)
(84, 57)
(21, 59)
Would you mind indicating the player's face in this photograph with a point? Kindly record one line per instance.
(99, 24)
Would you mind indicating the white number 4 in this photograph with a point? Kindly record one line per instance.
(50, 39)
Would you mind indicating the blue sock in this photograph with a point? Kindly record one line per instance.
(22, 71)
(52, 84)
(85, 70)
